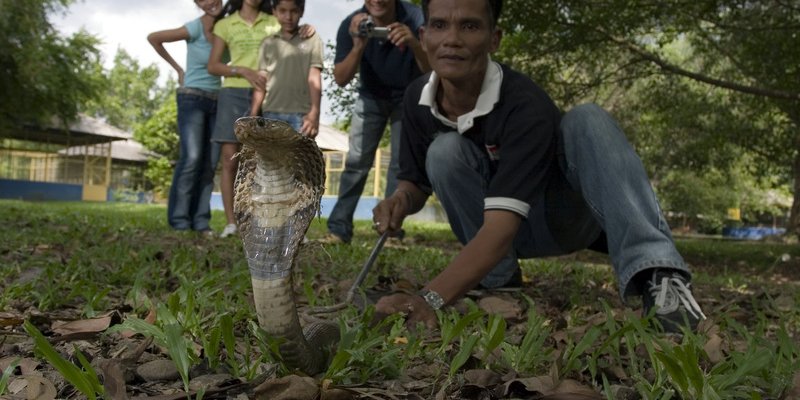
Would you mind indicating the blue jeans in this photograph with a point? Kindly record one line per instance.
(368, 123)
(295, 120)
(232, 104)
(190, 194)
(601, 186)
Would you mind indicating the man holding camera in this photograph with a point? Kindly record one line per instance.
(380, 41)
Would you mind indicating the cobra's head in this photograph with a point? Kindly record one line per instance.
(253, 131)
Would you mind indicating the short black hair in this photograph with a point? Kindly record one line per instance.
(493, 7)
(301, 4)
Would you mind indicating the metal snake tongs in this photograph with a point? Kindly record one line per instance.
(359, 279)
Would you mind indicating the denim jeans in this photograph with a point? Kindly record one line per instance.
(295, 120)
(232, 104)
(601, 186)
(368, 123)
(190, 194)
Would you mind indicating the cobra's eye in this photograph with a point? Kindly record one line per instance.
(261, 122)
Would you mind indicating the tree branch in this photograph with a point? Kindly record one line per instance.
(758, 91)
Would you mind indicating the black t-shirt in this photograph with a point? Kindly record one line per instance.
(519, 136)
(385, 69)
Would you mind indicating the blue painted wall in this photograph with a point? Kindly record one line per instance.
(39, 191)
(751, 232)
(363, 210)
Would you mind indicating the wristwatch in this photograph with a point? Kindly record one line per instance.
(433, 299)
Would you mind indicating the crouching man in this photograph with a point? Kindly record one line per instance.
(519, 180)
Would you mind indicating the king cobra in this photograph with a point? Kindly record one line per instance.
(278, 188)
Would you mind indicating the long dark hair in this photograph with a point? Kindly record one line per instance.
(232, 6)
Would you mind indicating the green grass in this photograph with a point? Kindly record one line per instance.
(79, 260)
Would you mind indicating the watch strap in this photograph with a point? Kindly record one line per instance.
(433, 299)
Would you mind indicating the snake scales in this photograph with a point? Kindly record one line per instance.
(278, 188)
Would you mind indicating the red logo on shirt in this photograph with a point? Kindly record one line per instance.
(493, 151)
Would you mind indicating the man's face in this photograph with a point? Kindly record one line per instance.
(458, 38)
(380, 8)
(288, 15)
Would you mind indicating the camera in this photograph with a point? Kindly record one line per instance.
(367, 29)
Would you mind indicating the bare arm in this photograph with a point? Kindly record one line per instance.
(217, 67)
(401, 36)
(476, 259)
(345, 70)
(215, 64)
(157, 40)
(390, 213)
(258, 96)
(311, 120)
(492, 242)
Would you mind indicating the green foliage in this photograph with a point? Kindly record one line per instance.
(43, 75)
(467, 344)
(159, 173)
(365, 351)
(708, 196)
(343, 97)
(200, 289)
(85, 380)
(6, 374)
(132, 95)
(697, 85)
(159, 134)
(530, 355)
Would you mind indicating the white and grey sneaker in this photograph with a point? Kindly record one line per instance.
(671, 295)
(230, 229)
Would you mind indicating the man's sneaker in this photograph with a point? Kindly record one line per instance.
(206, 233)
(230, 229)
(332, 238)
(671, 295)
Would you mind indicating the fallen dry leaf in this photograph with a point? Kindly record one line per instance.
(290, 387)
(113, 379)
(92, 325)
(36, 387)
(713, 349)
(28, 366)
(565, 389)
(482, 377)
(794, 392)
(337, 394)
(510, 310)
(10, 319)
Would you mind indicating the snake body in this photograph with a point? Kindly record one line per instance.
(278, 188)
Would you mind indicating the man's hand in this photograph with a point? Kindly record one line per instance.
(414, 306)
(310, 126)
(389, 214)
(257, 81)
(306, 31)
(401, 36)
(354, 23)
